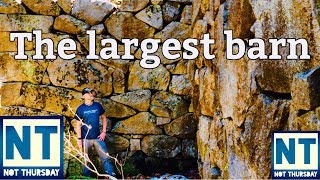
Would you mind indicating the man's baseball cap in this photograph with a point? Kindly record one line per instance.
(86, 90)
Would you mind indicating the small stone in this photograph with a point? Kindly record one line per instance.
(163, 120)
(135, 145)
(170, 11)
(151, 15)
(43, 7)
(138, 99)
(156, 2)
(15, 22)
(180, 85)
(11, 7)
(175, 30)
(99, 28)
(305, 89)
(119, 80)
(142, 123)
(92, 12)
(160, 111)
(124, 25)
(133, 6)
(186, 15)
(161, 146)
(117, 110)
(10, 92)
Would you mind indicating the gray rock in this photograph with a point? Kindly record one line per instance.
(133, 6)
(92, 12)
(175, 30)
(151, 15)
(170, 11)
(180, 85)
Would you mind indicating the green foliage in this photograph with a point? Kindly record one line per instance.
(79, 177)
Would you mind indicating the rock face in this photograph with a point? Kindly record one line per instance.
(125, 25)
(69, 24)
(161, 146)
(43, 7)
(91, 12)
(139, 99)
(182, 127)
(142, 123)
(239, 103)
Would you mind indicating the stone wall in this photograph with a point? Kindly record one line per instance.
(239, 103)
(149, 111)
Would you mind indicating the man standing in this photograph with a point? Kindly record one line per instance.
(90, 113)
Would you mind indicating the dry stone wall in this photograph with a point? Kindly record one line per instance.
(238, 103)
(148, 109)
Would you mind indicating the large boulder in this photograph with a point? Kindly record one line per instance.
(138, 99)
(16, 22)
(116, 143)
(140, 78)
(21, 70)
(161, 146)
(174, 105)
(78, 74)
(182, 127)
(92, 12)
(133, 6)
(124, 25)
(117, 110)
(151, 15)
(43, 7)
(142, 123)
(71, 25)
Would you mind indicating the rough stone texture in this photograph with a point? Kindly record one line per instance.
(119, 80)
(92, 12)
(140, 78)
(49, 98)
(21, 70)
(116, 143)
(11, 7)
(125, 25)
(16, 22)
(151, 15)
(170, 11)
(100, 29)
(81, 74)
(186, 15)
(117, 110)
(10, 92)
(182, 127)
(138, 99)
(135, 145)
(159, 53)
(66, 5)
(43, 7)
(132, 6)
(142, 123)
(161, 146)
(69, 24)
(180, 85)
(7, 46)
(171, 104)
(306, 89)
(163, 120)
(175, 30)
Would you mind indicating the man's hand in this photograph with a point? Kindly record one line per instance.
(102, 136)
(80, 144)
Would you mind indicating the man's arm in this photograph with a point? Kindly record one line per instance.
(103, 134)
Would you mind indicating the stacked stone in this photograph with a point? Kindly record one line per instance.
(239, 103)
(150, 108)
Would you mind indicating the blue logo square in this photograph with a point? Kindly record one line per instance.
(31, 147)
(295, 155)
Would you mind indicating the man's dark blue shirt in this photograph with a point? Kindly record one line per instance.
(91, 116)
